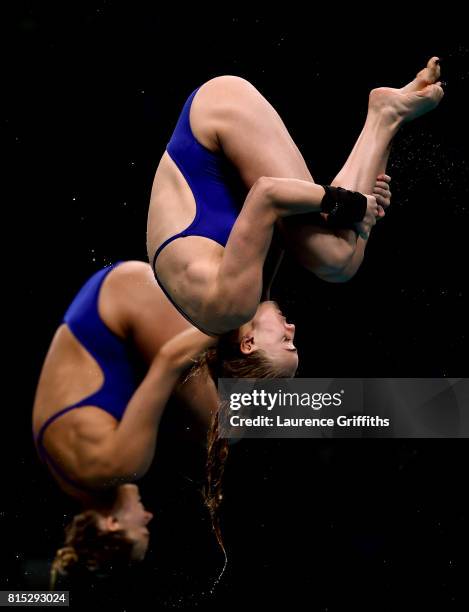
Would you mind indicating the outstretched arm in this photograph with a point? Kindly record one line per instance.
(127, 452)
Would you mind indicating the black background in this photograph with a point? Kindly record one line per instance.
(93, 93)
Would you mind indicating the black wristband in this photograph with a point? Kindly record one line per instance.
(342, 206)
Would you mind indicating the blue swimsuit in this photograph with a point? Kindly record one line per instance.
(109, 351)
(218, 191)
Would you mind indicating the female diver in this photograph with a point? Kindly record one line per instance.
(94, 426)
(230, 140)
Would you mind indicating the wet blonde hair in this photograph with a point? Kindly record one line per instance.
(89, 548)
(226, 360)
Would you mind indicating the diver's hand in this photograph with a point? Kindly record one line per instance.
(365, 226)
(382, 193)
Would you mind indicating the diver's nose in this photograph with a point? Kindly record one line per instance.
(148, 517)
(291, 327)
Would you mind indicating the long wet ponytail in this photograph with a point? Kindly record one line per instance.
(227, 361)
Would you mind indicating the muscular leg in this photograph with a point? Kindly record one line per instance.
(230, 115)
(367, 160)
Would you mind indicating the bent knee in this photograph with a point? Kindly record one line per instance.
(231, 80)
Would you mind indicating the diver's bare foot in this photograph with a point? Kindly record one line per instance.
(420, 96)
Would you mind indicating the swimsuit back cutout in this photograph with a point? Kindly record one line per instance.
(217, 189)
(109, 351)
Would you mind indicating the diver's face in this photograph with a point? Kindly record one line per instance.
(269, 331)
(133, 518)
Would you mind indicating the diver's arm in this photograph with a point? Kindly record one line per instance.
(127, 452)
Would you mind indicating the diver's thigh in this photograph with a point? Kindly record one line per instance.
(228, 113)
